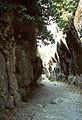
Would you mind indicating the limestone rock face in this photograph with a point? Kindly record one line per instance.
(74, 47)
(78, 19)
(70, 59)
(17, 55)
(64, 57)
(37, 69)
(3, 82)
(74, 41)
(78, 26)
(57, 72)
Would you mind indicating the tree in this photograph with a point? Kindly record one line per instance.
(40, 11)
(36, 11)
(64, 12)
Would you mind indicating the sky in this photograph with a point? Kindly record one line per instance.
(49, 51)
(53, 28)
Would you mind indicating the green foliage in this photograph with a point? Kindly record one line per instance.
(39, 12)
(5, 7)
(35, 11)
(23, 14)
(47, 11)
(46, 35)
(64, 10)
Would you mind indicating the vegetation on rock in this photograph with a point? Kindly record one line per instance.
(64, 12)
(36, 11)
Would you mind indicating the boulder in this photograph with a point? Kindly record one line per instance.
(37, 69)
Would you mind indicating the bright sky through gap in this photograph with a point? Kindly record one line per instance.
(49, 51)
(53, 28)
(57, 34)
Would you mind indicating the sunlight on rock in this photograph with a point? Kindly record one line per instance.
(48, 51)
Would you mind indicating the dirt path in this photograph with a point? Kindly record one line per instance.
(53, 101)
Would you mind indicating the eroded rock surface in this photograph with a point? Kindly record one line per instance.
(18, 52)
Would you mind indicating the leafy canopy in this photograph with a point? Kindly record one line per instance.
(40, 11)
(64, 11)
(35, 11)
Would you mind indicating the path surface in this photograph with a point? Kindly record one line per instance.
(53, 101)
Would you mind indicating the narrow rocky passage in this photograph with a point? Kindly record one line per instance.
(52, 101)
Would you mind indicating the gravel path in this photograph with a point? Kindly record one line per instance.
(52, 101)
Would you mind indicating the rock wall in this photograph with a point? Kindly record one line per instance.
(3, 82)
(71, 60)
(78, 26)
(17, 55)
(64, 58)
(69, 57)
(74, 48)
(78, 19)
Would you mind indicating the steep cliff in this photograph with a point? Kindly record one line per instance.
(78, 26)
(71, 60)
(17, 55)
